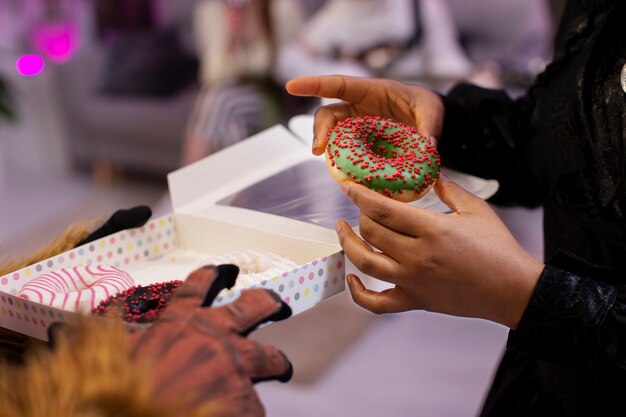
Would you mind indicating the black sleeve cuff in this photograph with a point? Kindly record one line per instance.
(563, 318)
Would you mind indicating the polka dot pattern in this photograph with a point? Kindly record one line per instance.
(305, 286)
(119, 249)
(127, 244)
(26, 317)
(301, 288)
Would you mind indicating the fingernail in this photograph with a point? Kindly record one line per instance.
(314, 143)
(349, 279)
(345, 186)
(338, 227)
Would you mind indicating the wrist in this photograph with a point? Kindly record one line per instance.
(510, 292)
(521, 292)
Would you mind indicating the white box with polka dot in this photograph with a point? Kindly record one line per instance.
(172, 246)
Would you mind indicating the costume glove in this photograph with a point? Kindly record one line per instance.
(199, 354)
(120, 220)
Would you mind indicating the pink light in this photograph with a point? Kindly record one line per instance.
(30, 65)
(57, 41)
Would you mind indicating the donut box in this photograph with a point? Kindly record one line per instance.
(169, 247)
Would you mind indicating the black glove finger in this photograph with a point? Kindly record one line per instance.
(282, 313)
(263, 362)
(120, 220)
(253, 308)
(200, 289)
(284, 377)
(55, 331)
(225, 279)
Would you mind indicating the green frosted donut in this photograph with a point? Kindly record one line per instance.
(384, 155)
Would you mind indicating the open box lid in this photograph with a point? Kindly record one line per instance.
(197, 188)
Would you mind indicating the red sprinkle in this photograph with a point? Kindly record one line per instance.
(374, 146)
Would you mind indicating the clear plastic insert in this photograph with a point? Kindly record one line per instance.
(304, 192)
(307, 192)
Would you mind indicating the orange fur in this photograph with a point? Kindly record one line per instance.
(89, 373)
(66, 241)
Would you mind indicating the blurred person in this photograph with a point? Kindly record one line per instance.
(562, 146)
(488, 42)
(512, 36)
(399, 38)
(227, 56)
(249, 48)
(237, 43)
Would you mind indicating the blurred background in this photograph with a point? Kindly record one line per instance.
(100, 99)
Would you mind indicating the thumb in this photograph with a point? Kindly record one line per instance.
(456, 197)
(390, 300)
(429, 127)
(428, 122)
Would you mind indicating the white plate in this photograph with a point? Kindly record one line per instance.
(302, 127)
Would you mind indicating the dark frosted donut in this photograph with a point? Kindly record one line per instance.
(139, 304)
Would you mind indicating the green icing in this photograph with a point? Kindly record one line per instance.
(382, 152)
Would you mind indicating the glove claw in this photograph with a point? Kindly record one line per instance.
(225, 277)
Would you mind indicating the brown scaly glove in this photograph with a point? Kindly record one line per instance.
(200, 355)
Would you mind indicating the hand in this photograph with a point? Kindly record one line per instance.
(465, 263)
(120, 220)
(200, 355)
(409, 104)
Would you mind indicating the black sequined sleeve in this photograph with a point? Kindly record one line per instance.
(486, 133)
(574, 318)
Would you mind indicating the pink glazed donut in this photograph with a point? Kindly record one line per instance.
(77, 288)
